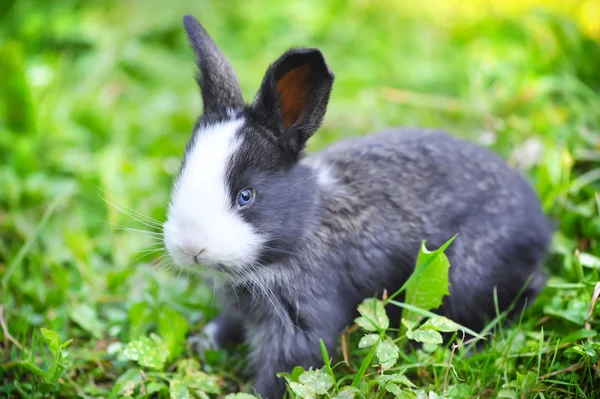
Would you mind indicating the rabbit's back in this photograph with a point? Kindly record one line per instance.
(385, 192)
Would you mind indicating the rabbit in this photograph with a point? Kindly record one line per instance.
(297, 241)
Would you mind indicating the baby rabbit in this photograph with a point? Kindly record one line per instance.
(301, 240)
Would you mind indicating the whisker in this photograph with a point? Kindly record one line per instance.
(130, 211)
(151, 224)
(278, 307)
(149, 233)
(148, 252)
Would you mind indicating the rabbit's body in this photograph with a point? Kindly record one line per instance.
(303, 240)
(377, 197)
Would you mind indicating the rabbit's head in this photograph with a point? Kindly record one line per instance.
(242, 199)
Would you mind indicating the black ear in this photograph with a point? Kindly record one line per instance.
(217, 80)
(293, 96)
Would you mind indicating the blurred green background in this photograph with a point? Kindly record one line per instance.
(98, 99)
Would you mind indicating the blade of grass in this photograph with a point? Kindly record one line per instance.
(31, 240)
(365, 364)
(328, 364)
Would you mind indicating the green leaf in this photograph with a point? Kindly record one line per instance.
(373, 316)
(574, 310)
(200, 381)
(368, 340)
(131, 375)
(172, 327)
(115, 391)
(154, 387)
(187, 365)
(588, 260)
(397, 378)
(440, 323)
(129, 388)
(240, 395)
(425, 336)
(179, 390)
(393, 389)
(429, 282)
(317, 381)
(52, 340)
(347, 393)
(147, 352)
(387, 353)
(302, 390)
(507, 393)
(140, 316)
(526, 382)
(33, 368)
(87, 318)
(62, 359)
(294, 376)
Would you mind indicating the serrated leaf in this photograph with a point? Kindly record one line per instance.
(368, 340)
(373, 315)
(397, 378)
(302, 390)
(393, 389)
(200, 381)
(409, 324)
(429, 282)
(147, 352)
(387, 353)
(425, 336)
(187, 365)
(317, 381)
(347, 393)
(440, 323)
(179, 390)
(173, 328)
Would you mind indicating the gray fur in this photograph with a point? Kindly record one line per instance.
(390, 191)
(217, 80)
(347, 223)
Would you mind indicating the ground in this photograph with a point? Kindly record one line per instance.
(97, 102)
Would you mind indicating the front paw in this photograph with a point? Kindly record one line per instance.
(205, 340)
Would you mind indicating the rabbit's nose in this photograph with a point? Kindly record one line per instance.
(193, 251)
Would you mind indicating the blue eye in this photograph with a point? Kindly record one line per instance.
(245, 197)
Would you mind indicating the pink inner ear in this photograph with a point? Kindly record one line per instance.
(293, 93)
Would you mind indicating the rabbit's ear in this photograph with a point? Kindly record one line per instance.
(293, 96)
(217, 79)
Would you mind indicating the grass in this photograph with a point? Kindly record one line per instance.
(97, 101)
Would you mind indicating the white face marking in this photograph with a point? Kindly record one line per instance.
(201, 221)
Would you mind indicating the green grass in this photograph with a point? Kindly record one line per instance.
(98, 100)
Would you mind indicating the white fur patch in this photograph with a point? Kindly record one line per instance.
(324, 173)
(200, 216)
